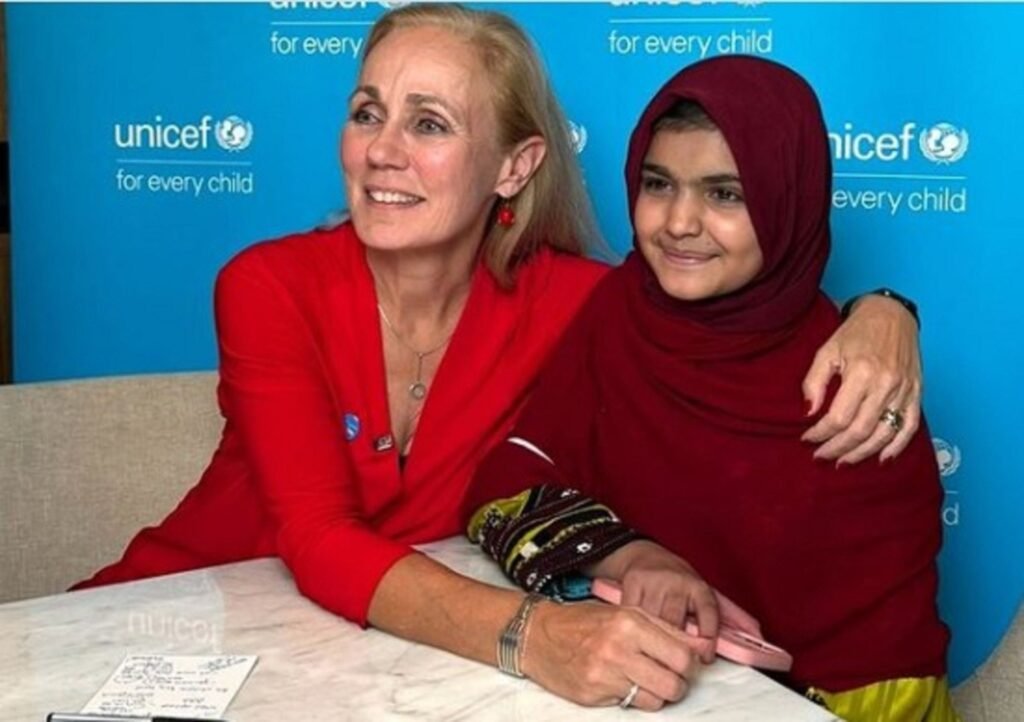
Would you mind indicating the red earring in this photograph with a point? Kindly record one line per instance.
(506, 214)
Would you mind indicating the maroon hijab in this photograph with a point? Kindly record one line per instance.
(772, 122)
(715, 356)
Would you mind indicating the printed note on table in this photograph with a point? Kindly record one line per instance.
(200, 686)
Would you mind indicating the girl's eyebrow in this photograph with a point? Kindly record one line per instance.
(659, 169)
(721, 178)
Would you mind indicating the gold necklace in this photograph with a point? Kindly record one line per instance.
(417, 389)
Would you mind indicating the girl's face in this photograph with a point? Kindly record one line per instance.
(690, 219)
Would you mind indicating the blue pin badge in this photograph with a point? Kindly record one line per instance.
(352, 426)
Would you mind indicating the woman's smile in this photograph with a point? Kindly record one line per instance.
(388, 197)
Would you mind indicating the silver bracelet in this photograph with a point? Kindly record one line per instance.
(511, 640)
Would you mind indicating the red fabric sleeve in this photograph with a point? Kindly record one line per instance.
(274, 389)
(557, 419)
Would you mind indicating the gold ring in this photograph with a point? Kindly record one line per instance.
(892, 417)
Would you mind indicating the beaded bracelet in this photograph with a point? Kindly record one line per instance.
(510, 643)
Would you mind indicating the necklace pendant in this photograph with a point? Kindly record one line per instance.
(418, 390)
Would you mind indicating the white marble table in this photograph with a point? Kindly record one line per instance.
(55, 652)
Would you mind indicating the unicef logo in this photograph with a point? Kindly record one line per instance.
(578, 136)
(943, 143)
(233, 133)
(947, 455)
(392, 4)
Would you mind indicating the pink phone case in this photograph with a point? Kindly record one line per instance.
(739, 634)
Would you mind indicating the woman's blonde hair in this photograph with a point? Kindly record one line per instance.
(553, 208)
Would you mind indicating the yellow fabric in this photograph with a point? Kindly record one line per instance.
(511, 507)
(912, 699)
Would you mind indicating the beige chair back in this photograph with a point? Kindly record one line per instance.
(85, 464)
(995, 692)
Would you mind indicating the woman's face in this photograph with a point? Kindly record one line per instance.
(420, 151)
(690, 219)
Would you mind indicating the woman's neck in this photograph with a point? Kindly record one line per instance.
(422, 293)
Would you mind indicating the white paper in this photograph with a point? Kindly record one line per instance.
(198, 686)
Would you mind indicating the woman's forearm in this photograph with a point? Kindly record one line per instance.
(587, 653)
(423, 601)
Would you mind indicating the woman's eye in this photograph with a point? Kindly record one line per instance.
(431, 126)
(362, 116)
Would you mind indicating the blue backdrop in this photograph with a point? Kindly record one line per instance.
(151, 142)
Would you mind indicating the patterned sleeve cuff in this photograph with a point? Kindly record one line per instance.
(547, 532)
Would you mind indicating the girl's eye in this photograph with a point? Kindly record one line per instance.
(431, 126)
(653, 184)
(726, 195)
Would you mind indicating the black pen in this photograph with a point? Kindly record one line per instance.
(79, 717)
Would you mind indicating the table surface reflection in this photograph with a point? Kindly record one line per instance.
(55, 652)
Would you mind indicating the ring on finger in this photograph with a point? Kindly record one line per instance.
(630, 696)
(893, 418)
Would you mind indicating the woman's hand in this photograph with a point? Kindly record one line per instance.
(663, 584)
(592, 654)
(876, 353)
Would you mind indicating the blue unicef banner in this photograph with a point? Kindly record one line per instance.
(149, 143)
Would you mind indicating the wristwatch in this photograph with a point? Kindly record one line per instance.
(887, 293)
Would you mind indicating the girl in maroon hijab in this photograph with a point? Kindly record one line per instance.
(673, 411)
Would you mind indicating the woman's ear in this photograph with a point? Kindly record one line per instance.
(519, 165)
